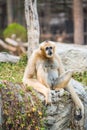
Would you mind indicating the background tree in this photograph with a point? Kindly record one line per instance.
(9, 11)
(32, 24)
(78, 22)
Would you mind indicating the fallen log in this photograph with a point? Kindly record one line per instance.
(7, 47)
(11, 42)
(13, 46)
(17, 44)
(5, 57)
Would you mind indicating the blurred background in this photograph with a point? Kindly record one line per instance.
(56, 17)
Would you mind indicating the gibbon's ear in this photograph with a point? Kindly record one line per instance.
(40, 47)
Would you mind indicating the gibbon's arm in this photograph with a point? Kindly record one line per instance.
(30, 68)
(28, 78)
(71, 89)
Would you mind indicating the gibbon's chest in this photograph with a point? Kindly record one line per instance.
(47, 64)
(47, 69)
(50, 64)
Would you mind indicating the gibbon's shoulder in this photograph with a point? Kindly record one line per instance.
(36, 53)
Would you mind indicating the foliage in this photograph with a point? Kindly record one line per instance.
(17, 29)
(81, 77)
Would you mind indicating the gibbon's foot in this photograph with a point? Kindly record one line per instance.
(78, 115)
(58, 93)
(55, 95)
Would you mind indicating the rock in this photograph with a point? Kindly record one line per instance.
(50, 120)
(51, 110)
(70, 54)
(60, 115)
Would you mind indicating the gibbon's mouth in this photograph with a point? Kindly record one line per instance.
(50, 55)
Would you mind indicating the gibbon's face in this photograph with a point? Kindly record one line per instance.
(48, 49)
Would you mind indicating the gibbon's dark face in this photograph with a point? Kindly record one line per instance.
(48, 49)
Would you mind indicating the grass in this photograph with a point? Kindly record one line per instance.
(13, 72)
(81, 77)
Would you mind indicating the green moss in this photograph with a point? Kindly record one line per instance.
(17, 29)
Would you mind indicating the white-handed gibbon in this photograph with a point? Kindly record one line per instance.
(45, 71)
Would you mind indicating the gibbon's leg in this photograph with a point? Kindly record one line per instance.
(77, 101)
(39, 87)
(62, 81)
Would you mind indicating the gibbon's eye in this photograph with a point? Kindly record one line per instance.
(47, 48)
(50, 47)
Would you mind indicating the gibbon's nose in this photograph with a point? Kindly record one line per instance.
(50, 53)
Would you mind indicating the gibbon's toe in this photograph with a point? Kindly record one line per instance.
(78, 116)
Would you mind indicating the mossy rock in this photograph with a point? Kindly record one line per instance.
(22, 110)
(17, 29)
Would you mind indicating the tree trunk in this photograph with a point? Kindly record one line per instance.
(32, 24)
(9, 11)
(78, 22)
